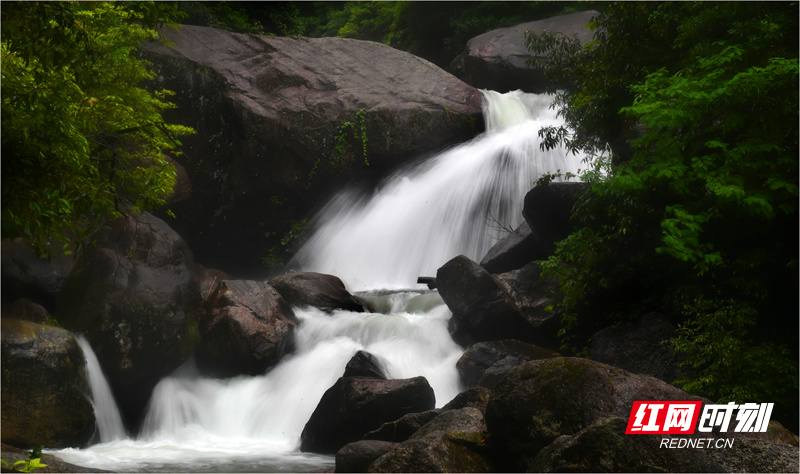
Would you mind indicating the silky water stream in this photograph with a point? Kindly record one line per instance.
(456, 202)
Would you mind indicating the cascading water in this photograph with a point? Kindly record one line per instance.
(455, 203)
(447, 205)
(109, 421)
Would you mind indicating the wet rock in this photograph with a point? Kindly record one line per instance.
(541, 400)
(364, 364)
(452, 442)
(208, 279)
(475, 397)
(356, 405)
(326, 292)
(548, 210)
(29, 311)
(12, 454)
(513, 251)
(537, 297)
(44, 387)
(604, 447)
(404, 427)
(485, 363)
(134, 295)
(498, 59)
(249, 328)
(638, 347)
(357, 456)
(268, 112)
(481, 311)
(28, 275)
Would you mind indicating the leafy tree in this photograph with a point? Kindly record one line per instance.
(695, 211)
(82, 141)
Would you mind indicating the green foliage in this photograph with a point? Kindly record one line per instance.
(359, 130)
(729, 366)
(277, 255)
(34, 461)
(339, 161)
(695, 211)
(81, 140)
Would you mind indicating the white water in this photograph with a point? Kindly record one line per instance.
(109, 422)
(422, 217)
(455, 203)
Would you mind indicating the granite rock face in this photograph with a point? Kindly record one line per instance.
(270, 112)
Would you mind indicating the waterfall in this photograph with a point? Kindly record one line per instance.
(459, 202)
(106, 413)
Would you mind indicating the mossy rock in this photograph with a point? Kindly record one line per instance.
(44, 387)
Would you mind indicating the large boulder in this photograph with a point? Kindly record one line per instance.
(452, 442)
(357, 405)
(248, 329)
(364, 364)
(484, 310)
(481, 311)
(359, 455)
(638, 347)
(326, 292)
(570, 414)
(134, 295)
(270, 112)
(44, 387)
(499, 60)
(537, 297)
(541, 400)
(485, 363)
(26, 274)
(547, 210)
(512, 251)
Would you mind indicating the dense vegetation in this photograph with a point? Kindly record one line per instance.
(693, 209)
(436, 31)
(82, 140)
(689, 110)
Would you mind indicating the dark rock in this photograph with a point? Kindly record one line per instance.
(404, 427)
(537, 298)
(604, 447)
(481, 311)
(183, 184)
(541, 400)
(28, 275)
(364, 364)
(357, 456)
(29, 311)
(355, 406)
(485, 363)
(452, 442)
(498, 59)
(638, 347)
(755, 455)
(475, 397)
(326, 292)
(12, 454)
(44, 387)
(134, 295)
(249, 328)
(208, 279)
(512, 252)
(429, 281)
(547, 210)
(268, 111)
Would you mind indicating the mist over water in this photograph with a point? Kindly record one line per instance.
(458, 202)
(449, 204)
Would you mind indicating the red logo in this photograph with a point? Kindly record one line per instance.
(663, 417)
